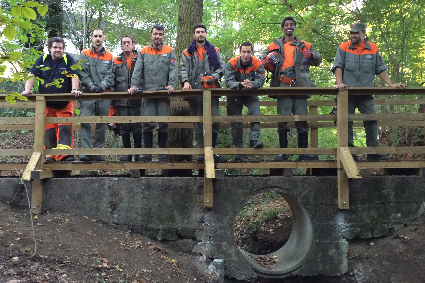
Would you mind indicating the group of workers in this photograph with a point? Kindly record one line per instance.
(155, 68)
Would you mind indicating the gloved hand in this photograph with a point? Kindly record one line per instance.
(101, 87)
(208, 82)
(95, 88)
(271, 60)
(307, 53)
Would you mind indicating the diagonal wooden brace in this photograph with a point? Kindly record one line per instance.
(348, 163)
(35, 157)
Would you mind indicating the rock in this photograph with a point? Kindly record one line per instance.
(15, 259)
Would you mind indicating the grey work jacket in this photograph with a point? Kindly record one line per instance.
(123, 79)
(98, 67)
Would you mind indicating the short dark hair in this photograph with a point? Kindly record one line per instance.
(53, 40)
(199, 26)
(98, 29)
(158, 27)
(132, 40)
(246, 43)
(288, 19)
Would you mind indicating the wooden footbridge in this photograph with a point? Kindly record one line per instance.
(36, 170)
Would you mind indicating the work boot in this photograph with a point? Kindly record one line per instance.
(85, 158)
(127, 144)
(49, 159)
(239, 158)
(283, 143)
(137, 137)
(162, 143)
(98, 158)
(68, 158)
(256, 144)
(200, 158)
(376, 157)
(148, 138)
(303, 143)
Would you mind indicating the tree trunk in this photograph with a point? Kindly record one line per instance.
(190, 13)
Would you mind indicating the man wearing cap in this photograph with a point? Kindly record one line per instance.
(356, 63)
(289, 58)
(156, 68)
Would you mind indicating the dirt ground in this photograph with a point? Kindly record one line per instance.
(78, 249)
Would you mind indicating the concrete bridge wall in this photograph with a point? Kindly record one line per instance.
(171, 209)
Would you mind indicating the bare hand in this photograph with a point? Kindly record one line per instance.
(187, 85)
(341, 86)
(131, 90)
(170, 89)
(307, 53)
(26, 93)
(76, 92)
(398, 85)
(247, 84)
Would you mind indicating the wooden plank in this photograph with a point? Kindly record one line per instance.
(388, 150)
(31, 166)
(209, 163)
(387, 117)
(314, 131)
(120, 165)
(39, 131)
(349, 164)
(208, 193)
(271, 165)
(16, 127)
(17, 152)
(17, 121)
(124, 151)
(12, 166)
(392, 164)
(18, 104)
(275, 151)
(36, 196)
(124, 119)
(342, 141)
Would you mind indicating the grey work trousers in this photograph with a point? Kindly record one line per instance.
(155, 107)
(94, 108)
(366, 105)
(196, 107)
(234, 108)
(287, 105)
(127, 128)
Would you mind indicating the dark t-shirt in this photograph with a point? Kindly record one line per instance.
(56, 71)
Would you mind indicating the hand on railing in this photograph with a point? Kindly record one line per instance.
(169, 88)
(76, 92)
(341, 86)
(26, 93)
(398, 85)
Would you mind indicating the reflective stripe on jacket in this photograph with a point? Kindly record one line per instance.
(301, 69)
(237, 73)
(155, 68)
(123, 79)
(99, 67)
(191, 68)
(358, 67)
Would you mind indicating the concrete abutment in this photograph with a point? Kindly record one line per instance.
(171, 209)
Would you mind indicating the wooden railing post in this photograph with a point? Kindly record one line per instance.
(208, 151)
(37, 185)
(342, 141)
(314, 132)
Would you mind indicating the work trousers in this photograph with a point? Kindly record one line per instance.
(127, 128)
(59, 134)
(196, 108)
(155, 107)
(287, 105)
(366, 105)
(94, 108)
(234, 108)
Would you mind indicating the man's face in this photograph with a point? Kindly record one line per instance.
(246, 54)
(157, 36)
(357, 38)
(289, 28)
(97, 38)
(127, 44)
(200, 35)
(57, 50)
